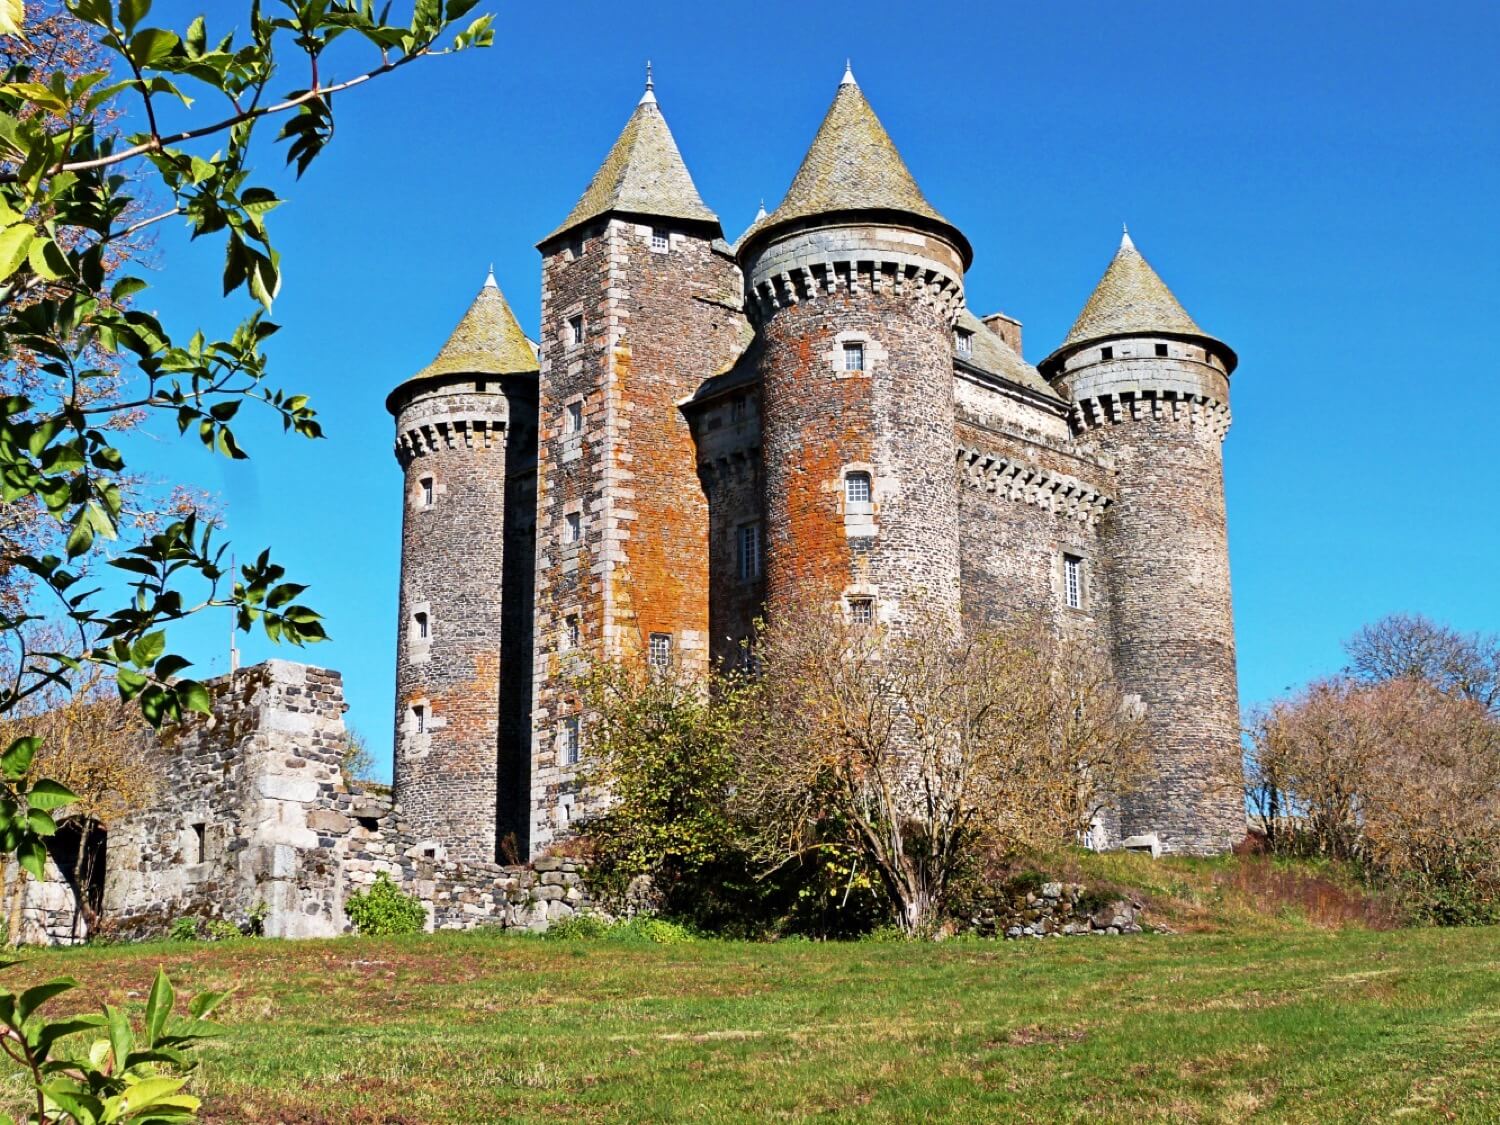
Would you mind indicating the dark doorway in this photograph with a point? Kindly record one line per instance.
(80, 850)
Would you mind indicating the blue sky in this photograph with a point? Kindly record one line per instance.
(1317, 183)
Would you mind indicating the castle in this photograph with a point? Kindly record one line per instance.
(705, 428)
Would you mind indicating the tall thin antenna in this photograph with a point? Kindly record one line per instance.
(234, 650)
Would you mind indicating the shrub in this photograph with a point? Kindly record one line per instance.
(645, 929)
(221, 929)
(385, 909)
(579, 926)
(183, 929)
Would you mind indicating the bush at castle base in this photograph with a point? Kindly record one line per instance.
(385, 909)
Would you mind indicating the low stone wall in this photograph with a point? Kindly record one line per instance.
(1060, 910)
(457, 895)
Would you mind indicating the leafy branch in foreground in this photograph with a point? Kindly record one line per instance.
(125, 1075)
(78, 153)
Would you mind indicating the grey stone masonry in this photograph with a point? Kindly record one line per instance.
(259, 823)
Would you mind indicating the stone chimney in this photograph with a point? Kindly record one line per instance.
(1008, 328)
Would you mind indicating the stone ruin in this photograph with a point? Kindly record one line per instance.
(253, 820)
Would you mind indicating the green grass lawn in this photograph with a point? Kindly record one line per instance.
(1305, 1026)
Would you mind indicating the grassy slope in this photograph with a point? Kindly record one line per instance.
(1295, 1026)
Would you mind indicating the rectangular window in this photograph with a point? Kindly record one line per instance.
(570, 634)
(660, 241)
(419, 719)
(427, 492)
(573, 421)
(572, 527)
(576, 248)
(749, 552)
(1161, 349)
(963, 343)
(195, 841)
(661, 650)
(737, 408)
(862, 611)
(857, 488)
(421, 622)
(854, 357)
(1106, 353)
(571, 740)
(575, 330)
(1073, 581)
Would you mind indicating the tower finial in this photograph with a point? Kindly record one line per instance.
(490, 282)
(848, 79)
(1125, 241)
(761, 214)
(649, 97)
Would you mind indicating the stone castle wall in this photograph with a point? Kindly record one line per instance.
(1160, 421)
(452, 443)
(894, 294)
(655, 324)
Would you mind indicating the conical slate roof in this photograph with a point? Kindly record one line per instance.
(853, 165)
(487, 341)
(642, 175)
(1131, 299)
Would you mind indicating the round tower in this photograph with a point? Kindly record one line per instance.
(1150, 395)
(856, 281)
(453, 435)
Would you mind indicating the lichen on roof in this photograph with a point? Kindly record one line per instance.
(643, 174)
(852, 165)
(1130, 298)
(993, 355)
(487, 341)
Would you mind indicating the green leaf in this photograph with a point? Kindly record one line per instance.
(132, 12)
(12, 17)
(15, 763)
(149, 648)
(205, 1002)
(49, 794)
(193, 696)
(151, 46)
(32, 855)
(34, 997)
(159, 1007)
(47, 260)
(14, 243)
(121, 1038)
(41, 823)
(130, 682)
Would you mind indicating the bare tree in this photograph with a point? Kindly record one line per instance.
(914, 749)
(1397, 775)
(1410, 646)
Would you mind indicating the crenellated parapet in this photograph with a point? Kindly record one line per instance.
(858, 260)
(1198, 410)
(444, 432)
(1063, 495)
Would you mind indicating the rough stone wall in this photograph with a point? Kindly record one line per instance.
(727, 431)
(896, 292)
(517, 628)
(241, 829)
(452, 438)
(1026, 502)
(1160, 421)
(655, 324)
(263, 823)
